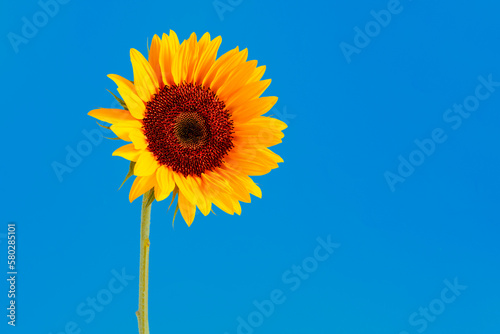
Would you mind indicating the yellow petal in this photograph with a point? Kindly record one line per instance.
(217, 195)
(227, 69)
(158, 192)
(128, 93)
(253, 162)
(141, 185)
(248, 183)
(247, 93)
(178, 64)
(192, 60)
(181, 64)
(138, 138)
(145, 80)
(193, 182)
(154, 58)
(218, 180)
(203, 201)
(237, 80)
(185, 187)
(257, 140)
(223, 202)
(165, 181)
(203, 42)
(121, 81)
(128, 152)
(249, 164)
(254, 108)
(134, 103)
(206, 59)
(265, 122)
(268, 155)
(169, 48)
(236, 206)
(188, 209)
(111, 115)
(212, 72)
(237, 185)
(146, 164)
(123, 129)
(174, 41)
(257, 74)
(259, 132)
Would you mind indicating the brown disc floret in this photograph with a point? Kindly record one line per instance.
(188, 129)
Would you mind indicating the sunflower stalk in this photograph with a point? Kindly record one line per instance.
(142, 313)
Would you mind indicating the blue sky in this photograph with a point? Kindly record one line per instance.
(383, 218)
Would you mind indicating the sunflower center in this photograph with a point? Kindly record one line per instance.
(188, 129)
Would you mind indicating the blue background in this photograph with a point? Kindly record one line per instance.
(348, 124)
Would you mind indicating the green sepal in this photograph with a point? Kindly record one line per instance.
(129, 174)
(150, 198)
(175, 214)
(116, 138)
(120, 101)
(103, 126)
(174, 194)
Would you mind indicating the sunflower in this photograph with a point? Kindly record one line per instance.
(195, 124)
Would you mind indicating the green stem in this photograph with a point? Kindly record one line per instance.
(142, 313)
